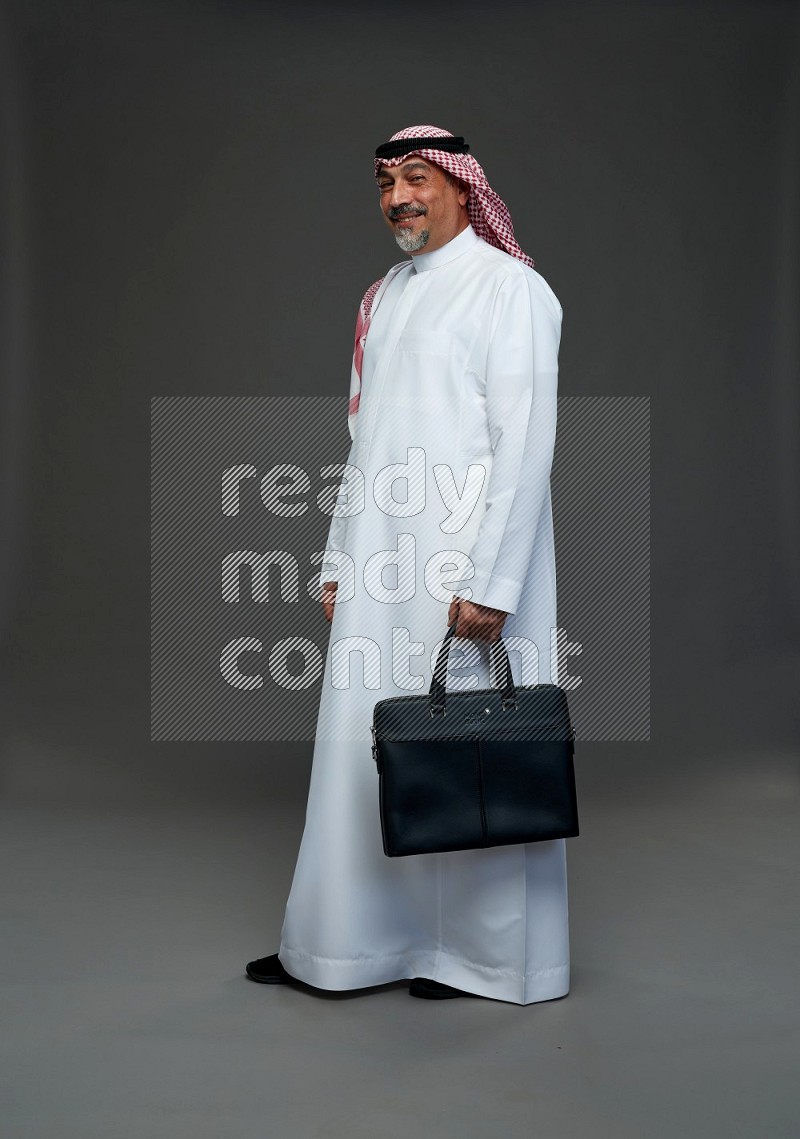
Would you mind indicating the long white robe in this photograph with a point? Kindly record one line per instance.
(459, 376)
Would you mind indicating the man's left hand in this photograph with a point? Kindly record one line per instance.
(476, 622)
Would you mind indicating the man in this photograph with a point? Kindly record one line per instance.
(447, 495)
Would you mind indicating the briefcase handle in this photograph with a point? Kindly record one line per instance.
(438, 693)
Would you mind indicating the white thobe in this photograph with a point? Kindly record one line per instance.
(458, 398)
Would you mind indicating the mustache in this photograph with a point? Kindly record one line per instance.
(395, 212)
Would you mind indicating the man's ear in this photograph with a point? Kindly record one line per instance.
(463, 193)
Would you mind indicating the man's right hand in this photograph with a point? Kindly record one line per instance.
(329, 598)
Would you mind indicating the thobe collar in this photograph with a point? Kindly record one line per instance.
(457, 245)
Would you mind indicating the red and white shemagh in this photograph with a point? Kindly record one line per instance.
(488, 215)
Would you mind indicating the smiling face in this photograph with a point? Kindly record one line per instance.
(422, 205)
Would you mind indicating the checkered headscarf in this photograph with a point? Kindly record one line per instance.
(487, 211)
(488, 215)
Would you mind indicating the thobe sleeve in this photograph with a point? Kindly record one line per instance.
(521, 381)
(338, 527)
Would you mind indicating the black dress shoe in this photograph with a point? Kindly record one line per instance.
(269, 971)
(434, 990)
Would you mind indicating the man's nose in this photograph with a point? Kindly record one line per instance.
(399, 197)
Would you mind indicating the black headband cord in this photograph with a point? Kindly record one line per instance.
(454, 143)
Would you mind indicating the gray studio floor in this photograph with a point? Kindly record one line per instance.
(126, 1013)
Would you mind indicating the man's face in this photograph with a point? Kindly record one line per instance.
(421, 206)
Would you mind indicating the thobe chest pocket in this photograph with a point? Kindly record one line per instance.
(425, 375)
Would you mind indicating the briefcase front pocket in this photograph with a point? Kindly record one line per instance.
(429, 796)
(462, 794)
(528, 791)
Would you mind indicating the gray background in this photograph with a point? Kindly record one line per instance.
(188, 208)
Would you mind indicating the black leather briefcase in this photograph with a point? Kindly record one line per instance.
(479, 768)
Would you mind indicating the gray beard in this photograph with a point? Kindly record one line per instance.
(410, 244)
